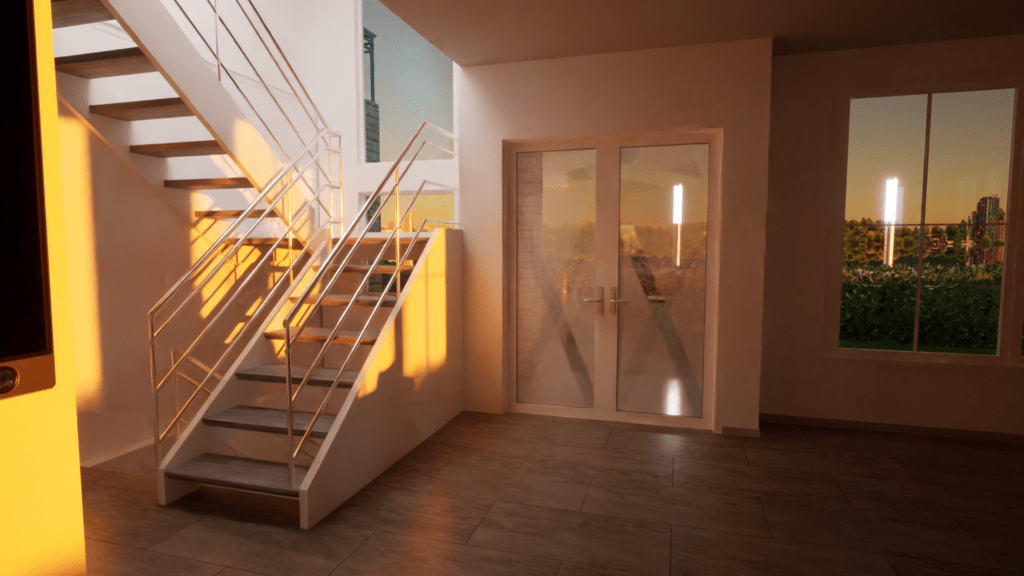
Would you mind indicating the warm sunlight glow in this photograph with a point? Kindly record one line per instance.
(425, 321)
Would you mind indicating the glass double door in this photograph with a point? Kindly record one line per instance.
(611, 263)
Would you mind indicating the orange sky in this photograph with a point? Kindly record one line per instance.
(969, 154)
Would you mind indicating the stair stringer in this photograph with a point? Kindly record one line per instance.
(410, 386)
(163, 41)
(198, 438)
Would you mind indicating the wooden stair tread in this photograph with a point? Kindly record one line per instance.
(237, 472)
(296, 244)
(314, 334)
(76, 12)
(343, 299)
(269, 420)
(225, 214)
(210, 183)
(105, 64)
(378, 240)
(143, 109)
(179, 149)
(276, 373)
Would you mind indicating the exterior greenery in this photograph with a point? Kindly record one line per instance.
(959, 307)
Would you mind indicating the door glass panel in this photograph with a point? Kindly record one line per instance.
(555, 271)
(663, 208)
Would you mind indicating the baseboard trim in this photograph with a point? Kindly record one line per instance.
(744, 432)
(892, 428)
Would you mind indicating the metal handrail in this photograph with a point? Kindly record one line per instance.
(342, 245)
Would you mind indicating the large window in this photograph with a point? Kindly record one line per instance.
(926, 202)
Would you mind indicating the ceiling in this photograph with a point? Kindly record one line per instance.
(473, 32)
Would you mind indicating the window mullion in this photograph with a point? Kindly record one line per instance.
(921, 230)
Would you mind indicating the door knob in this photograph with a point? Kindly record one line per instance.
(599, 300)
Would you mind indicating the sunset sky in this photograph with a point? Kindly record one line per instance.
(969, 155)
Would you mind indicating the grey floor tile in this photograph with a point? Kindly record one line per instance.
(572, 569)
(551, 459)
(133, 518)
(873, 531)
(698, 552)
(921, 500)
(814, 460)
(237, 572)
(265, 544)
(881, 443)
(1002, 456)
(682, 506)
(964, 474)
(908, 566)
(106, 559)
(705, 447)
(431, 515)
(482, 452)
(759, 481)
(536, 429)
(385, 554)
(412, 471)
(772, 433)
(564, 492)
(139, 483)
(1003, 540)
(249, 500)
(511, 448)
(575, 537)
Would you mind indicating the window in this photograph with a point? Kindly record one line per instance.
(926, 202)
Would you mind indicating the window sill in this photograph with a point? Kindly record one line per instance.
(923, 357)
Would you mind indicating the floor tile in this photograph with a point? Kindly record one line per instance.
(1003, 456)
(588, 462)
(145, 484)
(105, 559)
(572, 569)
(265, 544)
(881, 443)
(412, 471)
(1003, 540)
(706, 447)
(248, 500)
(385, 554)
(535, 429)
(915, 499)
(575, 537)
(698, 552)
(237, 572)
(133, 518)
(682, 506)
(873, 531)
(465, 425)
(519, 449)
(814, 460)
(563, 491)
(481, 452)
(430, 515)
(908, 566)
(772, 433)
(759, 481)
(964, 474)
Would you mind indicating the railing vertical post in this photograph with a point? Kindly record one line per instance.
(216, 35)
(156, 392)
(288, 383)
(398, 234)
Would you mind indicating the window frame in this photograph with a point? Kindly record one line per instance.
(1011, 310)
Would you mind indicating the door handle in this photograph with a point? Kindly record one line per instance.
(615, 302)
(599, 300)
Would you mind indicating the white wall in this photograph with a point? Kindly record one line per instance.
(718, 86)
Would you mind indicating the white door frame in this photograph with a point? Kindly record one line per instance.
(606, 272)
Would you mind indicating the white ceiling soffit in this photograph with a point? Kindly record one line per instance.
(473, 32)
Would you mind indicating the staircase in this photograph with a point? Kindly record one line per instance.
(295, 357)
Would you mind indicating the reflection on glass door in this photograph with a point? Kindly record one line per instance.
(555, 217)
(663, 215)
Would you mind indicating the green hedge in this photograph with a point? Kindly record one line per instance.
(959, 307)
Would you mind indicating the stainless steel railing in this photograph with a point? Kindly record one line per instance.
(343, 251)
(305, 228)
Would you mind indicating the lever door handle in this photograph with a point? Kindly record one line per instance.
(599, 300)
(614, 302)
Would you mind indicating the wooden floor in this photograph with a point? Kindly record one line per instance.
(525, 495)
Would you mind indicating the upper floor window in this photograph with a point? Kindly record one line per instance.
(926, 202)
